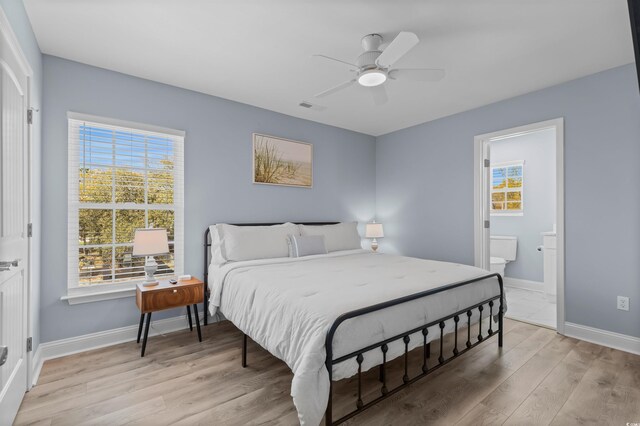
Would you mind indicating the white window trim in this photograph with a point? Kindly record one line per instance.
(97, 292)
(122, 123)
(498, 213)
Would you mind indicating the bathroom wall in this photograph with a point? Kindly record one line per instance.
(538, 151)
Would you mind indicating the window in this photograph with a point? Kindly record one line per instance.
(507, 186)
(122, 176)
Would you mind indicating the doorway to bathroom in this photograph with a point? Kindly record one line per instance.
(519, 225)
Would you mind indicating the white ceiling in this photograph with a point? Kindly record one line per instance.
(259, 52)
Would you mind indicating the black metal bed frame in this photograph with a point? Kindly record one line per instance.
(424, 329)
(359, 354)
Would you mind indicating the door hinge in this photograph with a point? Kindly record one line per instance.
(29, 344)
(29, 116)
(486, 224)
(30, 230)
(487, 163)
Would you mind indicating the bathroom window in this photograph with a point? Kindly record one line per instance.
(507, 187)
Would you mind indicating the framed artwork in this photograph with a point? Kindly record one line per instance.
(278, 161)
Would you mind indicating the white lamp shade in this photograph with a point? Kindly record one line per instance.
(374, 230)
(150, 242)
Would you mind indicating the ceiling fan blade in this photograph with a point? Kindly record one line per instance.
(400, 45)
(379, 94)
(336, 88)
(417, 74)
(336, 60)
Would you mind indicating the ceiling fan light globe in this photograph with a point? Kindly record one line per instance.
(372, 78)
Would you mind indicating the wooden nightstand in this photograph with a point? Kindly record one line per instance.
(167, 296)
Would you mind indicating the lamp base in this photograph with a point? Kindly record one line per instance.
(374, 245)
(150, 267)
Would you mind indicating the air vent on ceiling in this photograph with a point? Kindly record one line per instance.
(309, 105)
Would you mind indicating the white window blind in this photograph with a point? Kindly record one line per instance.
(507, 188)
(122, 176)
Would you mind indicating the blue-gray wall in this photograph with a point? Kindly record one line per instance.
(422, 183)
(21, 26)
(218, 174)
(538, 150)
(424, 187)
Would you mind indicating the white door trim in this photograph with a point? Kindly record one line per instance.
(481, 238)
(6, 31)
(12, 40)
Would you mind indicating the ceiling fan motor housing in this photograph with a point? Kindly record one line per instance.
(371, 44)
(367, 59)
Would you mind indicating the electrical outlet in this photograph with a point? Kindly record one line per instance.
(623, 303)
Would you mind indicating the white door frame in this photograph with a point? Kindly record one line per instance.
(6, 31)
(481, 201)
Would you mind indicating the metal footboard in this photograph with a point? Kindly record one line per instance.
(426, 369)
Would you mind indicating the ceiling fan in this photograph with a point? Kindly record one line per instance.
(373, 67)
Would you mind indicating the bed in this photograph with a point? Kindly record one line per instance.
(336, 315)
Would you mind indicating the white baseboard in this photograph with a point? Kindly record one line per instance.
(523, 284)
(101, 339)
(602, 337)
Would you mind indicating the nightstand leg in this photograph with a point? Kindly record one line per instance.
(195, 311)
(140, 327)
(146, 333)
(189, 315)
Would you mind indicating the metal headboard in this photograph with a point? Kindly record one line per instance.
(207, 255)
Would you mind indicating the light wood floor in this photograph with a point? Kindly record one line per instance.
(538, 377)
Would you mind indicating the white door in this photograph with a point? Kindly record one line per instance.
(13, 233)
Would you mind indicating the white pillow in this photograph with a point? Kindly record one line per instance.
(217, 253)
(342, 236)
(236, 243)
(300, 246)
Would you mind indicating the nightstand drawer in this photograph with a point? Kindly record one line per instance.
(171, 298)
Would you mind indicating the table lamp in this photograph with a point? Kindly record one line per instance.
(150, 242)
(374, 230)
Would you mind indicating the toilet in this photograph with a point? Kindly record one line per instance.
(503, 250)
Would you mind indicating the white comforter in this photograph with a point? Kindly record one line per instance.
(287, 305)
